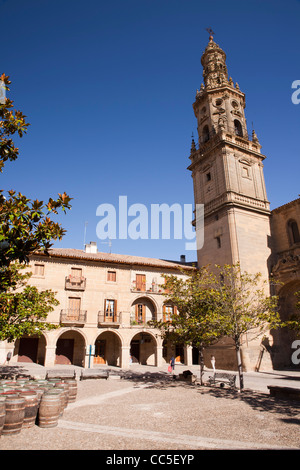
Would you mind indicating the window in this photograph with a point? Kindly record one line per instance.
(110, 308)
(238, 128)
(205, 134)
(76, 272)
(245, 172)
(168, 312)
(293, 232)
(74, 304)
(141, 282)
(218, 242)
(39, 269)
(111, 276)
(140, 313)
(208, 176)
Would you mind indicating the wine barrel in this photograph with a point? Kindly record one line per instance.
(49, 410)
(66, 388)
(2, 413)
(31, 408)
(14, 415)
(72, 389)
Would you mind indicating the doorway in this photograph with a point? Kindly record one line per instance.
(28, 349)
(64, 351)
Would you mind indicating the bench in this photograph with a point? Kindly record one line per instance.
(94, 375)
(222, 378)
(60, 374)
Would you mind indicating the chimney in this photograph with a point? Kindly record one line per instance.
(91, 247)
(182, 259)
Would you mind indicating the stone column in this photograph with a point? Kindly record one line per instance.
(188, 355)
(50, 356)
(125, 357)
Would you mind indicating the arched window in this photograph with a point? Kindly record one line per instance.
(205, 134)
(238, 128)
(293, 232)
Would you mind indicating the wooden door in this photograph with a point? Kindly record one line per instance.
(141, 282)
(74, 308)
(140, 313)
(64, 351)
(110, 310)
(100, 347)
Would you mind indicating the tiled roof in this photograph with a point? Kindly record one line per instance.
(285, 206)
(115, 258)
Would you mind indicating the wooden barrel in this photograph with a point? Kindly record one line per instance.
(9, 393)
(14, 415)
(39, 391)
(66, 388)
(31, 408)
(72, 389)
(60, 393)
(49, 410)
(2, 413)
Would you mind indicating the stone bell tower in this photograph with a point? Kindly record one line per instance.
(227, 172)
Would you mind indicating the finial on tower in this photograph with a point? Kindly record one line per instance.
(210, 32)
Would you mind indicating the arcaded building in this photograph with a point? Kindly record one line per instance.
(105, 304)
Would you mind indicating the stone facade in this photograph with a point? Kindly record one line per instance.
(227, 171)
(285, 268)
(105, 302)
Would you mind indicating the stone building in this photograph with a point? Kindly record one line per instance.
(105, 302)
(227, 171)
(285, 268)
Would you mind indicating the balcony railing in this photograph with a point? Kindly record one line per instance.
(147, 288)
(75, 283)
(70, 315)
(109, 319)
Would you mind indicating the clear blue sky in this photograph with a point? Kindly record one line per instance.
(108, 88)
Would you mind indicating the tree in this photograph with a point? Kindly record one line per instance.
(223, 301)
(24, 311)
(25, 228)
(243, 306)
(195, 321)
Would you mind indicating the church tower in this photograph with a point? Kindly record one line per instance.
(227, 172)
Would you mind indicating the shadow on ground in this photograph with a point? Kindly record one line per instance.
(260, 401)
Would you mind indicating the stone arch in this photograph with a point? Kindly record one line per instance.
(238, 128)
(70, 347)
(205, 134)
(108, 348)
(31, 349)
(142, 310)
(293, 232)
(143, 348)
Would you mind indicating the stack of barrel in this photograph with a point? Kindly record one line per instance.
(25, 403)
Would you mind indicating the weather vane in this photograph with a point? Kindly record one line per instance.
(210, 32)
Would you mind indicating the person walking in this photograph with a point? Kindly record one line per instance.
(213, 363)
(172, 363)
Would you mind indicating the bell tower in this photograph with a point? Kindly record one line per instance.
(227, 171)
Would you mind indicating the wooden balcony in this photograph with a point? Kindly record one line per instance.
(73, 317)
(75, 283)
(109, 319)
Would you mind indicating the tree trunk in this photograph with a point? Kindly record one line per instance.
(201, 361)
(239, 362)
